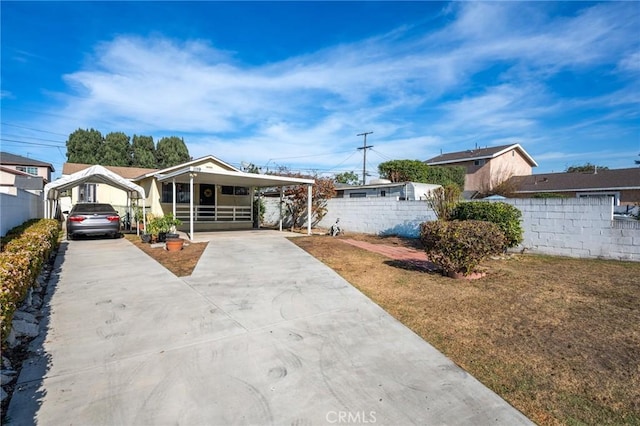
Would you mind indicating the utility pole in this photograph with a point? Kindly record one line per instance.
(364, 158)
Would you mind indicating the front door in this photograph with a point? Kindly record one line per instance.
(207, 199)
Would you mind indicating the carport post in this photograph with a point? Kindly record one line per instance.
(309, 196)
(191, 175)
(173, 181)
(281, 197)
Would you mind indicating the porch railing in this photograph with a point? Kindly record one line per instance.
(215, 213)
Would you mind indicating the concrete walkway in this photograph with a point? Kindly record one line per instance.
(261, 333)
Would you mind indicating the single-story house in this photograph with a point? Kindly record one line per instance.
(206, 194)
(487, 167)
(623, 185)
(386, 188)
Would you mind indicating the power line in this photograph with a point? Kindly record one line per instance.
(31, 128)
(29, 143)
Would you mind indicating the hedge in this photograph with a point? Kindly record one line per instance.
(460, 246)
(506, 216)
(26, 249)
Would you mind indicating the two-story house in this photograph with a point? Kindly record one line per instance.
(488, 167)
(23, 172)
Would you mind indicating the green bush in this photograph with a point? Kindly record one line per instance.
(20, 264)
(506, 216)
(460, 246)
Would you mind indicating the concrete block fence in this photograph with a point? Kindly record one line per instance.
(575, 227)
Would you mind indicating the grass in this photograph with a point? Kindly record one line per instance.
(558, 338)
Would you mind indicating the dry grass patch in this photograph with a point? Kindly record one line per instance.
(558, 338)
(181, 263)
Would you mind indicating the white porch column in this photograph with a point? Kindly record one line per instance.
(309, 199)
(281, 198)
(173, 182)
(191, 175)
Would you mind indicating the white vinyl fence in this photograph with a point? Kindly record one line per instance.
(18, 206)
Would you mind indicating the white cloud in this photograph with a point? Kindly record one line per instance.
(418, 94)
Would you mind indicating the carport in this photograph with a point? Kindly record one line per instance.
(93, 174)
(199, 175)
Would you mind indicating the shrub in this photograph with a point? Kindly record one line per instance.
(21, 263)
(444, 200)
(502, 214)
(460, 246)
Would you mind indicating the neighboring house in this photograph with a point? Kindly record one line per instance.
(12, 178)
(28, 167)
(487, 167)
(22, 180)
(623, 185)
(386, 188)
(205, 194)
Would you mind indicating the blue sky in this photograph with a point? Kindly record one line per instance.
(293, 83)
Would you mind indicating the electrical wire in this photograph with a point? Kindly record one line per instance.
(31, 128)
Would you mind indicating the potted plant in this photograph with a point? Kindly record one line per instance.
(162, 225)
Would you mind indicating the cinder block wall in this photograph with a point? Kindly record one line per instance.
(576, 227)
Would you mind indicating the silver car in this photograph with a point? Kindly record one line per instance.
(93, 219)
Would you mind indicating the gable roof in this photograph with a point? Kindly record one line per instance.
(92, 174)
(125, 172)
(603, 180)
(477, 154)
(7, 158)
(188, 164)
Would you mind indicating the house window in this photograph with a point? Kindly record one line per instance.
(479, 162)
(358, 195)
(383, 193)
(182, 193)
(28, 169)
(88, 193)
(235, 190)
(614, 195)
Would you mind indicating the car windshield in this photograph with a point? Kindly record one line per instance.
(93, 208)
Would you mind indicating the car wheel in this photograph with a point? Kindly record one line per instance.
(69, 237)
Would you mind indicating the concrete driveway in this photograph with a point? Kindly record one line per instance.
(261, 333)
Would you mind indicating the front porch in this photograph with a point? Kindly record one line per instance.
(200, 201)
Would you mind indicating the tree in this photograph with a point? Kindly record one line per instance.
(418, 171)
(84, 146)
(585, 168)
(637, 162)
(171, 151)
(297, 196)
(443, 200)
(116, 150)
(349, 178)
(143, 152)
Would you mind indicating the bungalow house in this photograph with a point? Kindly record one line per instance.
(487, 167)
(386, 188)
(23, 172)
(205, 194)
(623, 185)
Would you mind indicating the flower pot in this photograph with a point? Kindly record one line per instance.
(174, 244)
(145, 238)
(172, 236)
(162, 237)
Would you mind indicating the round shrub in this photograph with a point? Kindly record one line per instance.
(460, 246)
(506, 216)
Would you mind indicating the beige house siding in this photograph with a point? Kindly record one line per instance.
(508, 164)
(490, 172)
